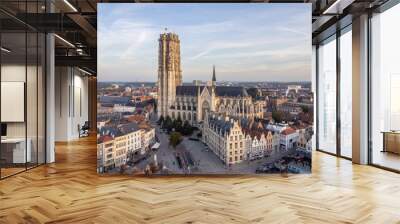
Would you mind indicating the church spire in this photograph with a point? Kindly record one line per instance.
(214, 79)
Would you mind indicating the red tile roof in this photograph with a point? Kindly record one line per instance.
(288, 131)
(105, 138)
(136, 118)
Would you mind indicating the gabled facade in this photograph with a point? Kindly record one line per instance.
(233, 143)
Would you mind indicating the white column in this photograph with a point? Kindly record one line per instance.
(50, 98)
(314, 88)
(360, 90)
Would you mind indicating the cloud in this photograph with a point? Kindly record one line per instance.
(123, 38)
(221, 46)
(243, 45)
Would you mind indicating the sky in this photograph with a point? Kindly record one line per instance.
(245, 42)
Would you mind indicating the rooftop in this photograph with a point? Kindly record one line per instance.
(288, 131)
(227, 91)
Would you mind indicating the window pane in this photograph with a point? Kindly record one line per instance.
(327, 96)
(385, 84)
(346, 94)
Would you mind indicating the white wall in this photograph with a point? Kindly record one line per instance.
(62, 81)
(71, 103)
(12, 73)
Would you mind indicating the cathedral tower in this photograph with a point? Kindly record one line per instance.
(169, 71)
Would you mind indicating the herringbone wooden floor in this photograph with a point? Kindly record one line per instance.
(70, 191)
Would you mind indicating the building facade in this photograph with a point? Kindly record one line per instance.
(105, 154)
(147, 138)
(225, 138)
(289, 139)
(116, 144)
(234, 141)
(259, 144)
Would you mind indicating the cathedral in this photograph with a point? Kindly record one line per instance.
(192, 102)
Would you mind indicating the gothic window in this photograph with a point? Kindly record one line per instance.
(205, 108)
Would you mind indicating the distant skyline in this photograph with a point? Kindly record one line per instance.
(246, 42)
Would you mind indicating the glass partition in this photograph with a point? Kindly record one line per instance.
(31, 97)
(326, 101)
(13, 87)
(22, 92)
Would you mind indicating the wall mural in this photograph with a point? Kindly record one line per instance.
(204, 89)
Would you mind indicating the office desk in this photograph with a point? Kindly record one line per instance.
(13, 150)
(391, 141)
